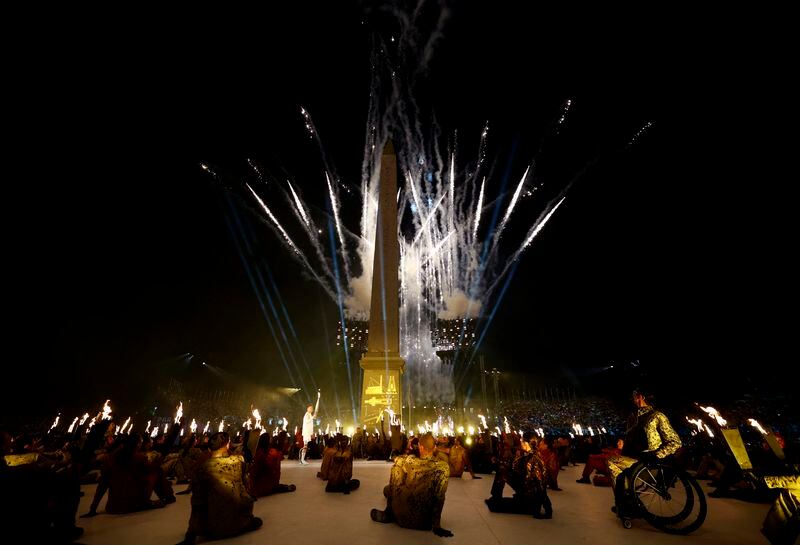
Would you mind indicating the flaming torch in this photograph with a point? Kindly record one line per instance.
(756, 425)
(770, 438)
(84, 418)
(483, 421)
(166, 428)
(193, 426)
(701, 427)
(72, 426)
(712, 412)
(208, 425)
(221, 426)
(154, 433)
(106, 410)
(125, 425)
(179, 412)
(147, 429)
(285, 423)
(257, 416)
(55, 423)
(506, 425)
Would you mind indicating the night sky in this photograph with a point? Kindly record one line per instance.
(675, 251)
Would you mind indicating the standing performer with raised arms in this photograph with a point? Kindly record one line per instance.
(308, 428)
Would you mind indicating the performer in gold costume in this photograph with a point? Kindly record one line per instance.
(340, 469)
(416, 491)
(527, 475)
(221, 504)
(649, 437)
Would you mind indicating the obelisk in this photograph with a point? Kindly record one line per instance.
(382, 363)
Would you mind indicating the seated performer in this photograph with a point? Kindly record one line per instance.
(327, 454)
(340, 472)
(649, 437)
(550, 458)
(526, 475)
(416, 491)
(599, 462)
(221, 505)
(459, 460)
(37, 500)
(127, 476)
(265, 472)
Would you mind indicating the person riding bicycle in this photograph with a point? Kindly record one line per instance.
(649, 438)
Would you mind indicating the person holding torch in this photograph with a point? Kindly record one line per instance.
(308, 428)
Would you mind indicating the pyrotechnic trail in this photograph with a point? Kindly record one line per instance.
(452, 257)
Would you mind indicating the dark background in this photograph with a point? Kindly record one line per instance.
(675, 252)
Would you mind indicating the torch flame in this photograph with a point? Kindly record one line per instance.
(72, 426)
(483, 421)
(701, 426)
(166, 428)
(221, 426)
(506, 426)
(257, 416)
(106, 410)
(208, 424)
(715, 414)
(756, 425)
(193, 426)
(55, 422)
(147, 429)
(125, 425)
(154, 433)
(84, 418)
(179, 412)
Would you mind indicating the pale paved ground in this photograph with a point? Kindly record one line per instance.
(310, 516)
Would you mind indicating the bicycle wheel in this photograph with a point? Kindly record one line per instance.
(669, 499)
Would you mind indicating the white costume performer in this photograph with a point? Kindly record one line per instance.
(308, 430)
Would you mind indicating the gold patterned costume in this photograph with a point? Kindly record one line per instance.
(457, 460)
(327, 455)
(782, 523)
(526, 475)
(648, 432)
(340, 472)
(416, 491)
(221, 504)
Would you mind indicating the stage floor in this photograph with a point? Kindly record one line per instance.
(309, 515)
